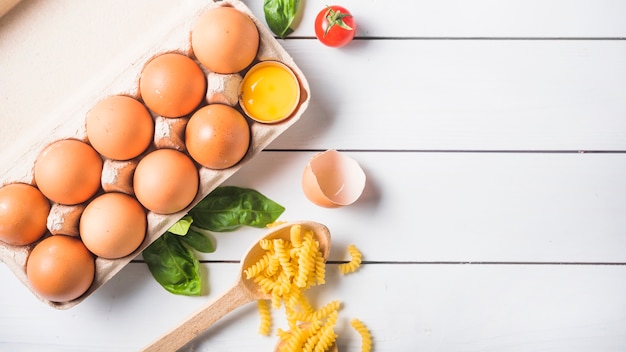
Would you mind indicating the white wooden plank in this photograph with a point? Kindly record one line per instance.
(477, 18)
(456, 95)
(384, 94)
(459, 207)
(456, 307)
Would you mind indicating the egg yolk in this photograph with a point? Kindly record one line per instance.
(269, 92)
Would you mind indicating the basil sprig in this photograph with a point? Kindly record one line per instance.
(174, 265)
(280, 15)
(171, 258)
(228, 208)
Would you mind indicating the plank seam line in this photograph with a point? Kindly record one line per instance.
(383, 262)
(482, 38)
(487, 263)
(503, 151)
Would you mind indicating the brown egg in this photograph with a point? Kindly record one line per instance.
(166, 181)
(225, 40)
(119, 127)
(113, 225)
(68, 171)
(23, 214)
(172, 85)
(60, 268)
(217, 136)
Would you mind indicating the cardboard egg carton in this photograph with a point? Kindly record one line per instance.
(69, 122)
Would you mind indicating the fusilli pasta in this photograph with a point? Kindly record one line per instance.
(287, 269)
(366, 337)
(285, 272)
(354, 263)
(265, 316)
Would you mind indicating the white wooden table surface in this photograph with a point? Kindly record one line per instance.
(493, 136)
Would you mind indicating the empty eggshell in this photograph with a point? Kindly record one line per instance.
(332, 179)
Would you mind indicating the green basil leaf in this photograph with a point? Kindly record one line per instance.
(228, 207)
(173, 265)
(198, 241)
(181, 226)
(280, 14)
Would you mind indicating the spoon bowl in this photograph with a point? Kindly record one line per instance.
(242, 292)
(255, 253)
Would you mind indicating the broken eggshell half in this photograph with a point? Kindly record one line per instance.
(332, 179)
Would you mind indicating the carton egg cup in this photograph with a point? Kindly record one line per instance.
(69, 122)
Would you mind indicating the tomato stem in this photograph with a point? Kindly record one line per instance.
(335, 18)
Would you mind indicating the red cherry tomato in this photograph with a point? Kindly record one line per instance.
(334, 26)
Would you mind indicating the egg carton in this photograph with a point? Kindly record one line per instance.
(69, 122)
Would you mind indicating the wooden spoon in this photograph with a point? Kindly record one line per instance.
(242, 292)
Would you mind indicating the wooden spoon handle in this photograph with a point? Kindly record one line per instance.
(201, 320)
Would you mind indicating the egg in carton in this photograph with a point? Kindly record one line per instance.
(68, 123)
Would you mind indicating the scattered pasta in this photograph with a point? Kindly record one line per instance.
(266, 317)
(275, 223)
(287, 269)
(354, 263)
(366, 337)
